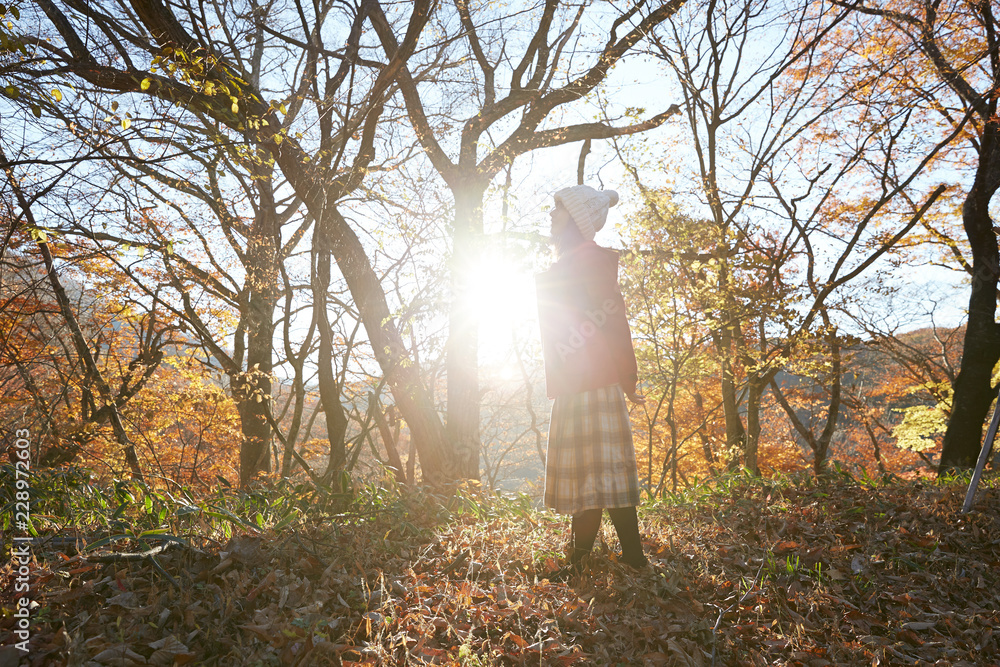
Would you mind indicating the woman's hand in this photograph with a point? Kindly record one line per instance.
(635, 397)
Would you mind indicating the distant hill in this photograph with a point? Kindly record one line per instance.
(881, 375)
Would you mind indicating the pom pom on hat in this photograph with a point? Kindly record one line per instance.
(588, 207)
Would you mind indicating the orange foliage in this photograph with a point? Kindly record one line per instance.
(183, 425)
(186, 426)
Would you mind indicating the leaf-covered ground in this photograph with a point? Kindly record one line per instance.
(750, 573)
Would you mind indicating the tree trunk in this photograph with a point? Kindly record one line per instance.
(672, 421)
(727, 339)
(706, 444)
(736, 434)
(981, 349)
(833, 411)
(389, 440)
(411, 462)
(401, 372)
(755, 392)
(463, 332)
(297, 362)
(329, 388)
(254, 388)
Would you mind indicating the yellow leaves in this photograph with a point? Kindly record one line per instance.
(145, 84)
(56, 95)
(919, 427)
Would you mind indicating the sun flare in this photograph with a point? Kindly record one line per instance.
(503, 296)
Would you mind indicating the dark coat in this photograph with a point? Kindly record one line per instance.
(586, 341)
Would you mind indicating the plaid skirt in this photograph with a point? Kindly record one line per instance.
(590, 462)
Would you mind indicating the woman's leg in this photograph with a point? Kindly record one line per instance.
(585, 527)
(627, 526)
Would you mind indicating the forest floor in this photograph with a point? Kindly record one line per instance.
(748, 572)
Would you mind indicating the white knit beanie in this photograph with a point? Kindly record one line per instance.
(587, 206)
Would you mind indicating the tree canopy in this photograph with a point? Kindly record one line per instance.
(295, 204)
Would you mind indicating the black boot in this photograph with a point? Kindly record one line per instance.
(585, 527)
(581, 541)
(627, 526)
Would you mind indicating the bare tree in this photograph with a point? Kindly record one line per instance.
(512, 82)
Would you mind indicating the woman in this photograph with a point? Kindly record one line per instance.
(589, 370)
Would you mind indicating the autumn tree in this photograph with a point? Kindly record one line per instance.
(659, 282)
(218, 69)
(210, 250)
(79, 357)
(953, 66)
(755, 131)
